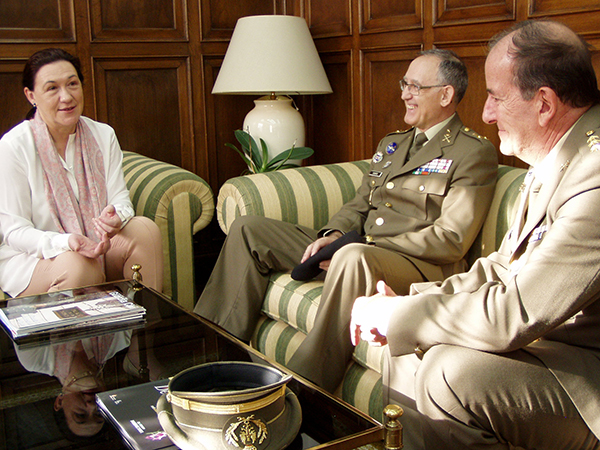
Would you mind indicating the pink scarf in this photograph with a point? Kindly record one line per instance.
(70, 215)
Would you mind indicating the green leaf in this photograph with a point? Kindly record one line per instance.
(250, 147)
(257, 157)
(292, 153)
(265, 155)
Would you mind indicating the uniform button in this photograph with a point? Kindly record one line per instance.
(390, 185)
(369, 238)
(389, 205)
(379, 221)
(421, 188)
(372, 182)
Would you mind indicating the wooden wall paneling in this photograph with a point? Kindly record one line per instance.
(390, 15)
(46, 20)
(468, 32)
(218, 18)
(384, 109)
(225, 114)
(448, 12)
(14, 104)
(552, 7)
(116, 20)
(329, 17)
(330, 122)
(147, 102)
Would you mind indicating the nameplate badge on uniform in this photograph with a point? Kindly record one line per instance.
(377, 157)
(375, 173)
(538, 233)
(438, 165)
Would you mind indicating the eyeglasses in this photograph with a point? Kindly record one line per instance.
(415, 89)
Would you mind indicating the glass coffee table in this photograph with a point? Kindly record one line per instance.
(35, 403)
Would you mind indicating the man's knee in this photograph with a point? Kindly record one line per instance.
(353, 254)
(451, 377)
(246, 226)
(442, 374)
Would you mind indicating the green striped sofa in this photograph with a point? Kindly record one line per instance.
(181, 203)
(309, 196)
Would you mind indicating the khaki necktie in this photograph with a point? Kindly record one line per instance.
(420, 139)
(534, 190)
(529, 191)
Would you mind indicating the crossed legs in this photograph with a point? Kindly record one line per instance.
(139, 242)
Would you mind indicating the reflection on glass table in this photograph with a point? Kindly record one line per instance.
(61, 373)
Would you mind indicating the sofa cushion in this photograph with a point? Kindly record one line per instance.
(292, 302)
(306, 196)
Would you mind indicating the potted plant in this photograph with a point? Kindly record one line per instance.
(257, 158)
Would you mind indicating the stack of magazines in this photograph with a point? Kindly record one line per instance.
(25, 317)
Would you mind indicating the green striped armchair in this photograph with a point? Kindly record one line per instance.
(309, 196)
(181, 203)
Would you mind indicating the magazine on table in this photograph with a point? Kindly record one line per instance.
(26, 316)
(131, 411)
(76, 333)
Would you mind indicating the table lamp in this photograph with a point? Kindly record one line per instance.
(273, 56)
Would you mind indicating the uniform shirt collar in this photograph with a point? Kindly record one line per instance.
(544, 168)
(431, 132)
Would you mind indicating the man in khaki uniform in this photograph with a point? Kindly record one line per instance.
(512, 348)
(419, 217)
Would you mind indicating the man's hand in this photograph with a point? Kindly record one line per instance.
(368, 313)
(88, 248)
(108, 223)
(313, 248)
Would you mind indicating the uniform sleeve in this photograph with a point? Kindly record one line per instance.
(553, 296)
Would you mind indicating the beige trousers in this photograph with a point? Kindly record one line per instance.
(139, 242)
(257, 246)
(469, 399)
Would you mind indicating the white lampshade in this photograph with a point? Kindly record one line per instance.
(271, 54)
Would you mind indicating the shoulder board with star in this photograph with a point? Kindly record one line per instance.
(472, 133)
(400, 132)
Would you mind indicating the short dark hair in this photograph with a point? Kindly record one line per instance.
(548, 53)
(40, 59)
(452, 71)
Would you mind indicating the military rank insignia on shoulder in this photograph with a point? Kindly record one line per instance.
(400, 132)
(593, 141)
(472, 133)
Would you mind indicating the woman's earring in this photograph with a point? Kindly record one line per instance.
(35, 105)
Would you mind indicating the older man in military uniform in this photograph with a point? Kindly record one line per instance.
(419, 208)
(512, 347)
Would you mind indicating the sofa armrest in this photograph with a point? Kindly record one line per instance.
(500, 216)
(181, 203)
(306, 196)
